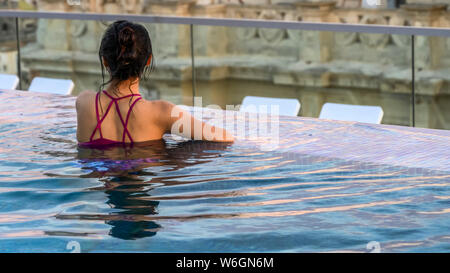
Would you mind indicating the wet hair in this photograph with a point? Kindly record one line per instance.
(125, 47)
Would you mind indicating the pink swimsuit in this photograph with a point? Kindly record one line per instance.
(104, 141)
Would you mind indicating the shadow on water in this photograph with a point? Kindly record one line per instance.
(125, 172)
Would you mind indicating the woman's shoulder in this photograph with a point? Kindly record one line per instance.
(83, 97)
(160, 111)
(160, 105)
(86, 93)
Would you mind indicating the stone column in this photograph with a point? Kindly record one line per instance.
(430, 52)
(429, 49)
(52, 34)
(175, 8)
(172, 42)
(170, 7)
(318, 43)
(210, 42)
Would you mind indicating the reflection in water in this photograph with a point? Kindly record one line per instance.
(120, 169)
(122, 199)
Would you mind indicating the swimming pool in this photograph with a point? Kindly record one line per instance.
(330, 186)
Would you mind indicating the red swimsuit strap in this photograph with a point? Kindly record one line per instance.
(99, 121)
(114, 100)
(119, 98)
(125, 129)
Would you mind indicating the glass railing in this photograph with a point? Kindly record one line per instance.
(68, 49)
(401, 69)
(432, 78)
(315, 67)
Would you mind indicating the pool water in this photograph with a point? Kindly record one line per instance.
(173, 196)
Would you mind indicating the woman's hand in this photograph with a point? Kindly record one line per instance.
(181, 122)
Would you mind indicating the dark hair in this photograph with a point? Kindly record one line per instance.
(126, 47)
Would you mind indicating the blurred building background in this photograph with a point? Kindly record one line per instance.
(232, 62)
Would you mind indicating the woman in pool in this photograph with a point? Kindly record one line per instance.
(118, 114)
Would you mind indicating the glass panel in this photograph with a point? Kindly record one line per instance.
(68, 49)
(8, 51)
(432, 96)
(311, 66)
(234, 62)
(373, 70)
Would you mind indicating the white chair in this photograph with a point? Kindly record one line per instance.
(346, 112)
(8, 81)
(49, 85)
(286, 107)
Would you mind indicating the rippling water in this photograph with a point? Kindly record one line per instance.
(174, 196)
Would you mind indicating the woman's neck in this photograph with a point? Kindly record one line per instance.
(123, 88)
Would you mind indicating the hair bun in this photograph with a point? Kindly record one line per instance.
(126, 42)
(124, 51)
(126, 36)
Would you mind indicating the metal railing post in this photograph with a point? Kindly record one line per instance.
(194, 81)
(413, 91)
(19, 70)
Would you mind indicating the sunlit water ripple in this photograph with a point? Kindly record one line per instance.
(202, 197)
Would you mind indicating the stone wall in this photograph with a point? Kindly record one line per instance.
(315, 67)
(8, 41)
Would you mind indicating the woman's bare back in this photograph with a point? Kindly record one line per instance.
(148, 120)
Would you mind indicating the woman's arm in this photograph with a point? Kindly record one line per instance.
(180, 122)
